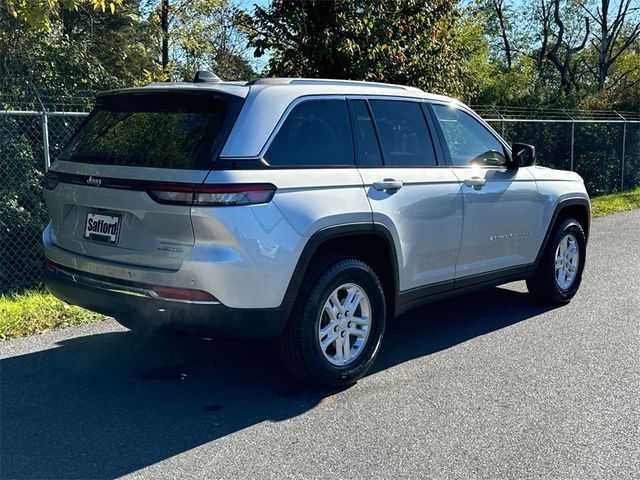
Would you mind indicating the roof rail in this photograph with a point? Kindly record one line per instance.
(269, 81)
(321, 81)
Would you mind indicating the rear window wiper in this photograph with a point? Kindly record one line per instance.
(93, 156)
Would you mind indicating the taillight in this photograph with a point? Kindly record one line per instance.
(172, 194)
(213, 195)
(221, 195)
(51, 180)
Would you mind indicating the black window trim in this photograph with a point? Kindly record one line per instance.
(356, 141)
(439, 158)
(440, 149)
(447, 154)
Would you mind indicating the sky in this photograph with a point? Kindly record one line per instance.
(248, 4)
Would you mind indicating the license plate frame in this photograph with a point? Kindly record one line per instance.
(101, 234)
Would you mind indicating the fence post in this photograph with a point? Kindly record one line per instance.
(45, 139)
(44, 122)
(573, 139)
(624, 147)
(501, 120)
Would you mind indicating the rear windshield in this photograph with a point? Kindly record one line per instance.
(162, 130)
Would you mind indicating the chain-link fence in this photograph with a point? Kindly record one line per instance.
(31, 137)
(602, 146)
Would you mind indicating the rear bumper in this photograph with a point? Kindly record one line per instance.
(134, 310)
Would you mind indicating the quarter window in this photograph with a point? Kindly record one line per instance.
(404, 135)
(315, 133)
(469, 142)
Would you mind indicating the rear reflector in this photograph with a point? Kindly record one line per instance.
(212, 195)
(184, 294)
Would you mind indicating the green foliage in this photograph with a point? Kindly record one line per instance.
(41, 14)
(598, 152)
(458, 48)
(623, 89)
(200, 35)
(35, 312)
(517, 86)
(445, 47)
(410, 42)
(532, 79)
(83, 52)
(22, 215)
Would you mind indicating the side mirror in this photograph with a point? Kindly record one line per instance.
(523, 155)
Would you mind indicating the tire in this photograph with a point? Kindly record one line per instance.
(336, 365)
(546, 283)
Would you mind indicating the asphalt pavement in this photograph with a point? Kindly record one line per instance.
(489, 385)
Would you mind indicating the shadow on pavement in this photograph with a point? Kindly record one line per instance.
(106, 405)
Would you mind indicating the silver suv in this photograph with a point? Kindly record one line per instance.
(311, 210)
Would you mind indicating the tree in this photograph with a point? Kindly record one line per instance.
(556, 38)
(196, 34)
(584, 52)
(409, 42)
(510, 64)
(614, 37)
(39, 15)
(496, 14)
(499, 7)
(565, 62)
(84, 51)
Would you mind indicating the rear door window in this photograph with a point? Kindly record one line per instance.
(315, 133)
(161, 130)
(404, 135)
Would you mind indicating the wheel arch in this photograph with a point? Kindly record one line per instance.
(348, 240)
(578, 208)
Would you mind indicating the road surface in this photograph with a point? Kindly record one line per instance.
(490, 385)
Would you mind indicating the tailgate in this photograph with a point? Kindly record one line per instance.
(98, 192)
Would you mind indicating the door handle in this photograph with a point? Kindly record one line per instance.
(387, 184)
(474, 181)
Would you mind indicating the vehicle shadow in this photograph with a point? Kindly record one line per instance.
(105, 405)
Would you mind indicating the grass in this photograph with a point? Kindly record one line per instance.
(616, 202)
(34, 312)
